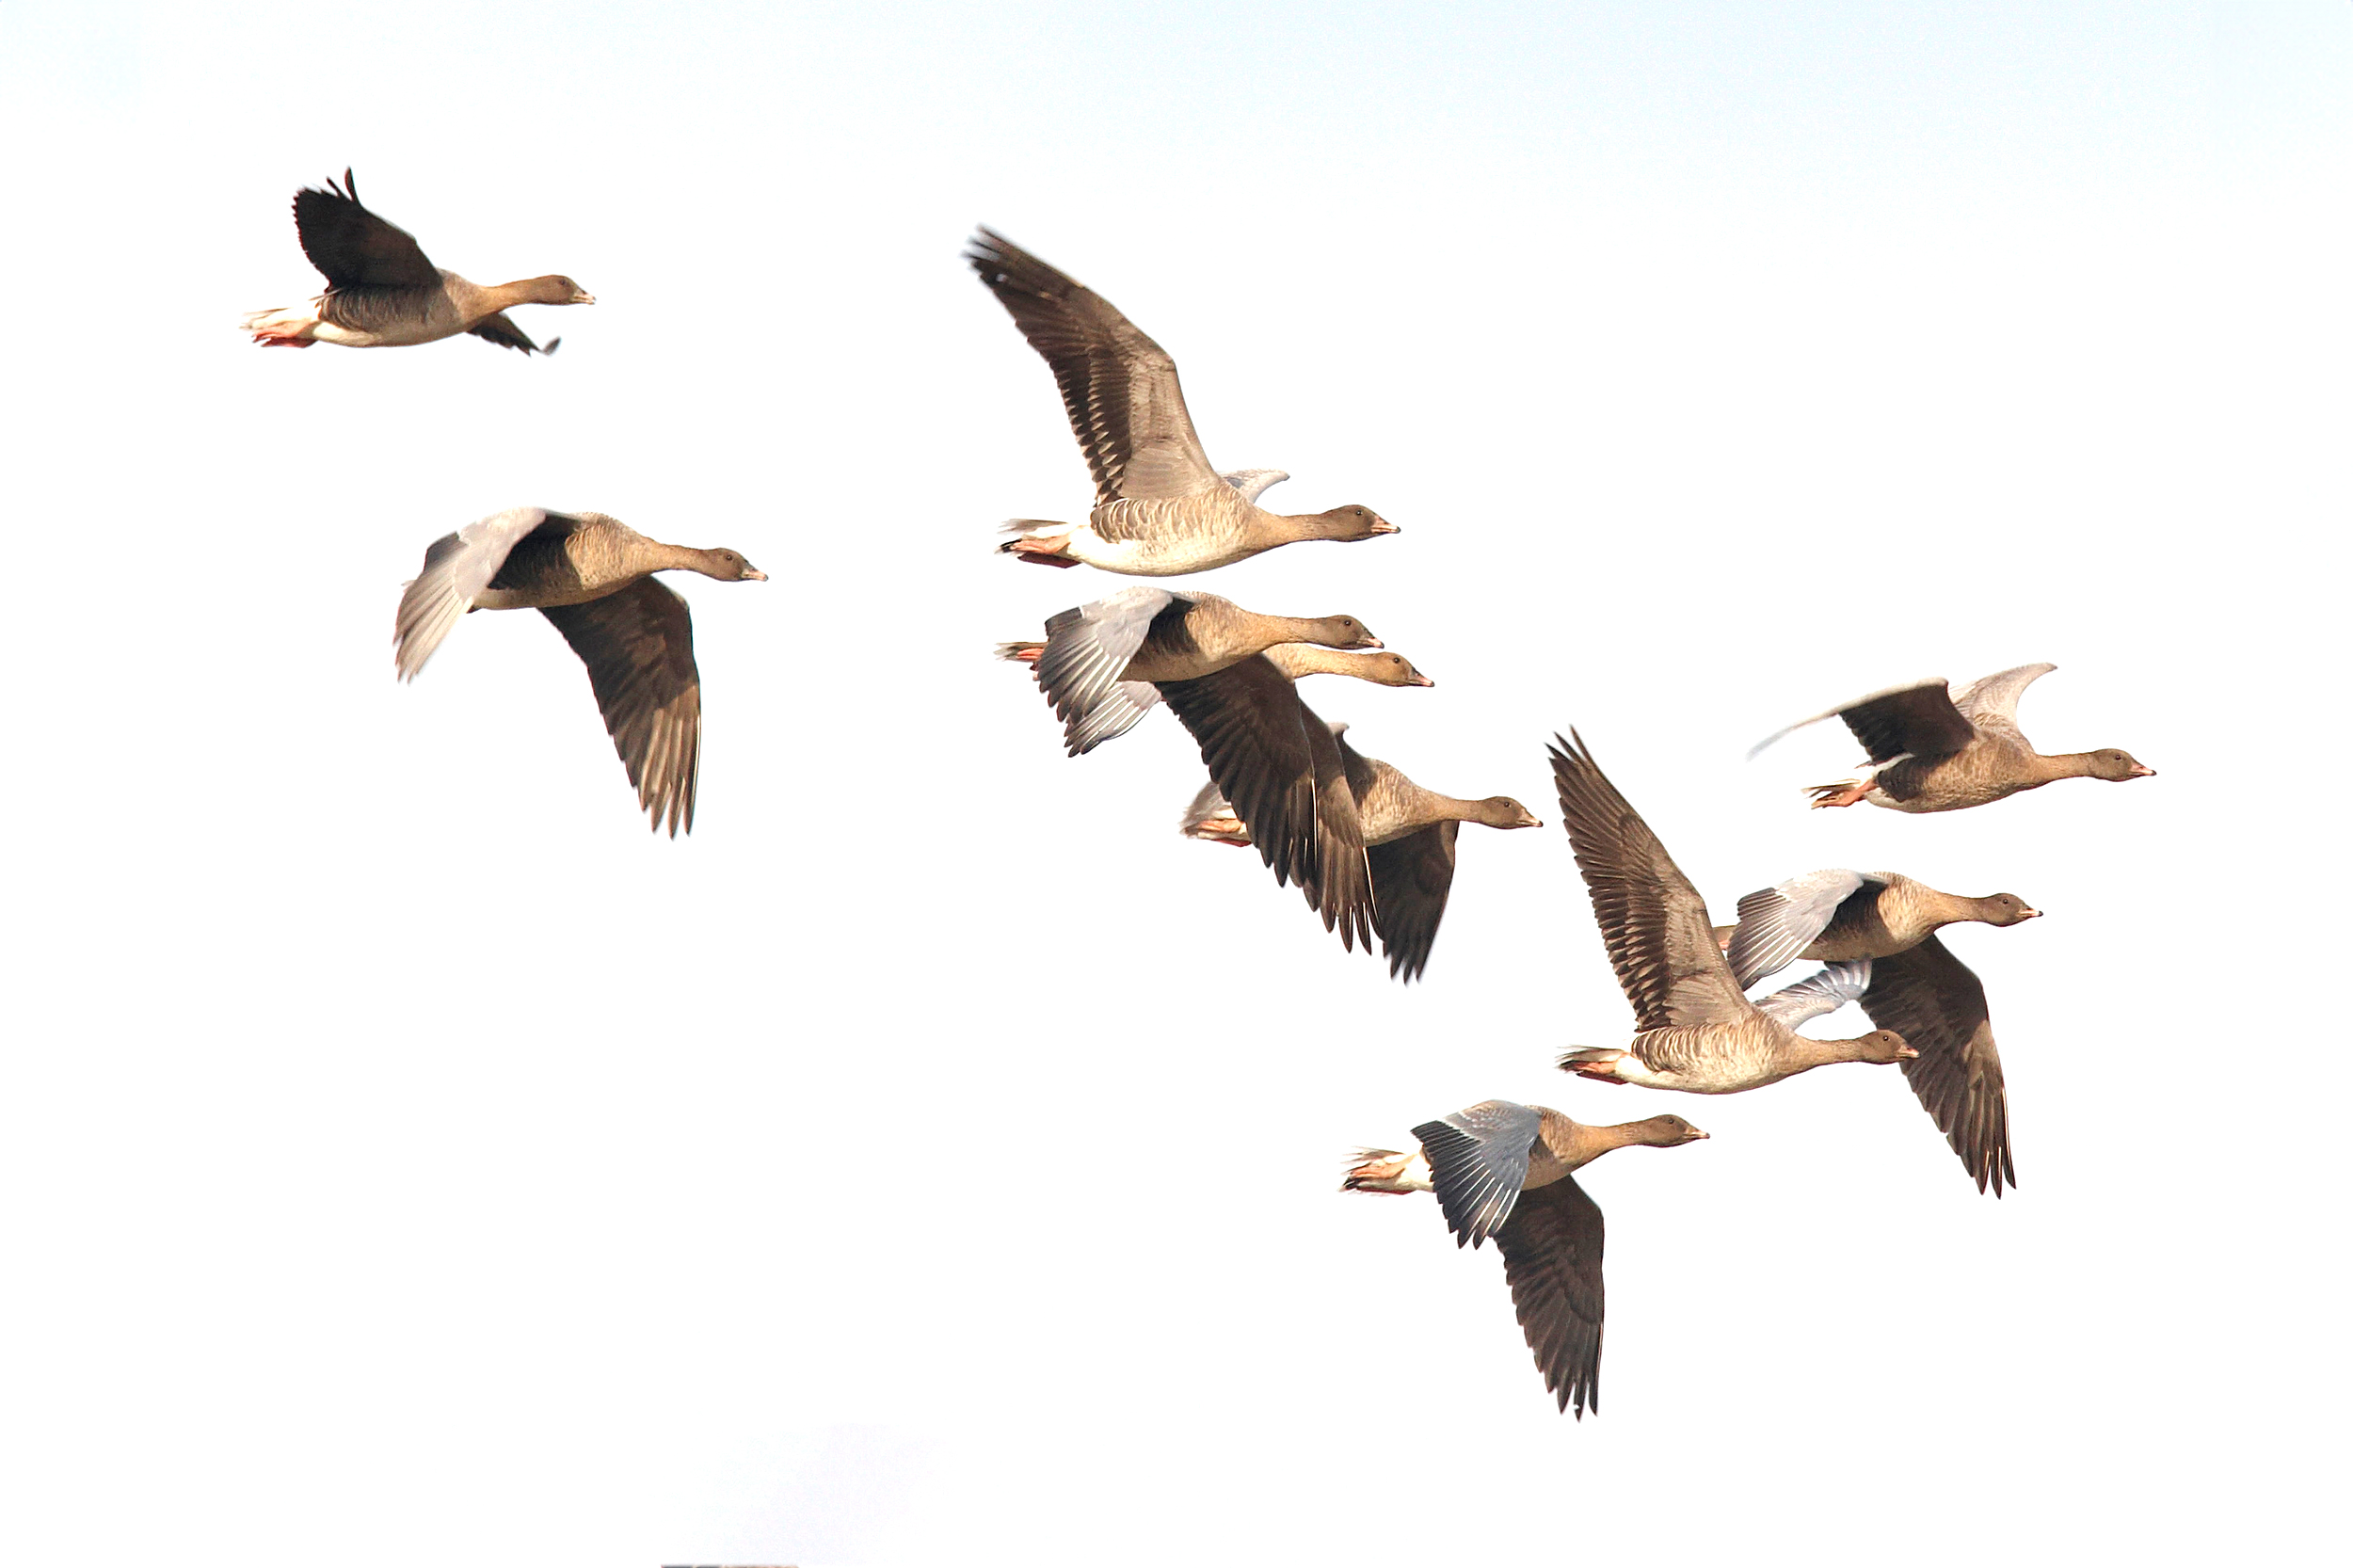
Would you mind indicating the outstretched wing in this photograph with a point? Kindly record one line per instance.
(1087, 650)
(1931, 999)
(1411, 879)
(500, 329)
(1551, 1248)
(352, 246)
(1478, 1164)
(1991, 702)
(1118, 386)
(639, 647)
(1826, 990)
(1652, 921)
(1779, 922)
(1279, 766)
(1916, 719)
(458, 567)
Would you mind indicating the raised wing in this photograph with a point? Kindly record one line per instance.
(1411, 879)
(501, 330)
(1087, 650)
(639, 647)
(352, 246)
(1478, 1164)
(458, 567)
(1916, 719)
(1826, 990)
(1931, 999)
(1652, 921)
(1991, 702)
(1779, 922)
(1551, 1248)
(1118, 386)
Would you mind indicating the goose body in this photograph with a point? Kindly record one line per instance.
(1833, 915)
(1100, 665)
(1695, 1030)
(1506, 1172)
(592, 576)
(1933, 750)
(383, 292)
(1160, 509)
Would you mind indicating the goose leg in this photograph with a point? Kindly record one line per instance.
(1042, 553)
(1847, 793)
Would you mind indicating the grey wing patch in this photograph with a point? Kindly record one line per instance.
(458, 567)
(1478, 1164)
(1087, 651)
(638, 644)
(1779, 922)
(1843, 708)
(1551, 1248)
(1826, 990)
(1991, 702)
(1255, 482)
(500, 329)
(1937, 1005)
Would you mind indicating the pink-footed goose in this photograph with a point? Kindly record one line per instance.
(383, 292)
(1911, 983)
(1160, 509)
(1505, 1171)
(1100, 663)
(1372, 851)
(1695, 1029)
(1931, 750)
(592, 576)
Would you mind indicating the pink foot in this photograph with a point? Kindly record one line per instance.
(1839, 794)
(271, 340)
(1042, 553)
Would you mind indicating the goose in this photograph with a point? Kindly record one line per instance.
(1160, 509)
(1100, 663)
(1933, 751)
(383, 292)
(1504, 1170)
(1694, 1030)
(591, 576)
(1837, 913)
(1308, 799)
(1297, 661)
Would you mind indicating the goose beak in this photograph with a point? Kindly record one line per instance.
(753, 574)
(2031, 915)
(582, 296)
(1420, 679)
(1696, 1133)
(1383, 525)
(2140, 772)
(1372, 641)
(1905, 1053)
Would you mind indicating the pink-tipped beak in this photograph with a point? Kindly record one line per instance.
(1421, 680)
(753, 574)
(2140, 772)
(1385, 526)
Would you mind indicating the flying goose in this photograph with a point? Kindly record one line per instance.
(1503, 1170)
(1694, 1030)
(1100, 663)
(383, 292)
(1291, 784)
(1160, 509)
(1933, 751)
(591, 575)
(1835, 914)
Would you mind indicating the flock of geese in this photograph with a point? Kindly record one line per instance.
(1371, 851)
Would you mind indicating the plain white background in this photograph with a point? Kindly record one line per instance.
(408, 1159)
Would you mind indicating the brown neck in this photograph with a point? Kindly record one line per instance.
(1273, 631)
(681, 557)
(1811, 1052)
(1298, 659)
(2066, 764)
(1447, 808)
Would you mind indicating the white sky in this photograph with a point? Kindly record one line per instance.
(411, 1160)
